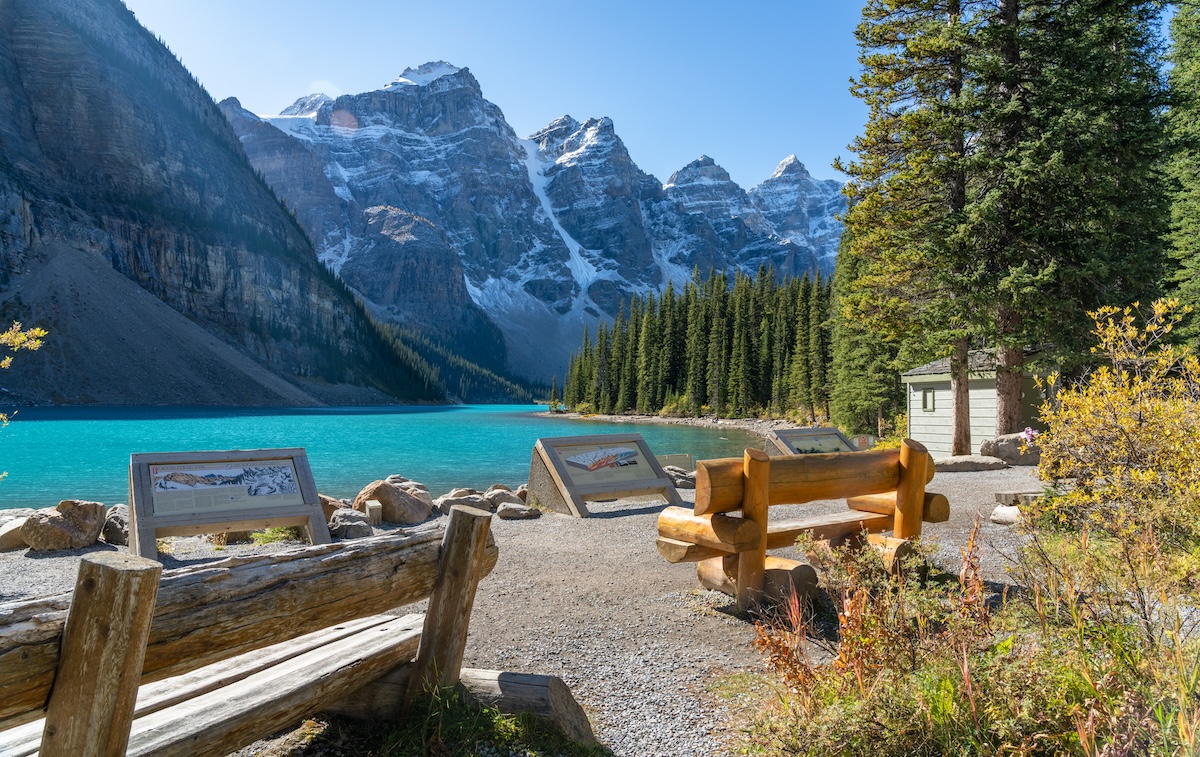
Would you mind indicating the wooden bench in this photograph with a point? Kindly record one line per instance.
(884, 491)
(211, 658)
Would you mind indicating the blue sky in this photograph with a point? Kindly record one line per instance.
(745, 83)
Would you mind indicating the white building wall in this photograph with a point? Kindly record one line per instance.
(933, 428)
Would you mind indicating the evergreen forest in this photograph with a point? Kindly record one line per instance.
(731, 347)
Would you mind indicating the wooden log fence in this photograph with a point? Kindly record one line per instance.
(884, 491)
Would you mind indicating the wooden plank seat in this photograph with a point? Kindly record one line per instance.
(240, 648)
(832, 527)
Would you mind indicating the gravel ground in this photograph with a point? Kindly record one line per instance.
(650, 656)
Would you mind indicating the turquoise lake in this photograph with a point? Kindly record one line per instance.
(83, 453)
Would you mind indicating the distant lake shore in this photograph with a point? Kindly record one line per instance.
(754, 425)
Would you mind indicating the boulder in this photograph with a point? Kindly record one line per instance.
(464, 492)
(419, 491)
(967, 463)
(445, 502)
(399, 506)
(396, 478)
(10, 536)
(682, 479)
(1006, 515)
(497, 497)
(497, 487)
(71, 524)
(329, 506)
(116, 526)
(348, 523)
(523, 492)
(1008, 449)
(517, 511)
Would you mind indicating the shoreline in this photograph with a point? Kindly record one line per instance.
(754, 425)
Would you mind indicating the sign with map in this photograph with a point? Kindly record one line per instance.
(809, 441)
(566, 471)
(184, 493)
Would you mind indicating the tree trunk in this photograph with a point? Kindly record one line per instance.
(961, 399)
(1009, 361)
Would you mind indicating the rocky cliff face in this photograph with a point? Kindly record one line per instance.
(109, 147)
(552, 233)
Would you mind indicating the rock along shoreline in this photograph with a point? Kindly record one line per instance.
(756, 425)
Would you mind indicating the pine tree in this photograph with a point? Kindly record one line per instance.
(1184, 166)
(800, 386)
(647, 360)
(908, 189)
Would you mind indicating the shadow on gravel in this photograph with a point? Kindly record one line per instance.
(624, 513)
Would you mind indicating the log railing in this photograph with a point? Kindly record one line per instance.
(884, 490)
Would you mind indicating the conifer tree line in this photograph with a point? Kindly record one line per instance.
(750, 345)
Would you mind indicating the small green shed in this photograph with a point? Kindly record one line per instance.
(931, 406)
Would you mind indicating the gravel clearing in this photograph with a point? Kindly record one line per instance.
(644, 649)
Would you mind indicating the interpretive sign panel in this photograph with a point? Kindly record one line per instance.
(186, 493)
(566, 471)
(807, 441)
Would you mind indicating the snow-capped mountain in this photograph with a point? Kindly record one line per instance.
(802, 209)
(424, 200)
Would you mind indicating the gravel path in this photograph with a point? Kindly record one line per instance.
(650, 656)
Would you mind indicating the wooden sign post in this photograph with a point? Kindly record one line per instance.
(807, 441)
(566, 471)
(188, 493)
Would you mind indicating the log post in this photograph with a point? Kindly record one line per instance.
(910, 493)
(444, 637)
(90, 708)
(756, 467)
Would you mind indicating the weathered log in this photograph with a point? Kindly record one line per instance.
(208, 613)
(153, 697)
(936, 508)
(91, 704)
(224, 720)
(834, 526)
(448, 616)
(798, 479)
(545, 696)
(755, 501)
(910, 490)
(722, 532)
(712, 576)
(675, 551)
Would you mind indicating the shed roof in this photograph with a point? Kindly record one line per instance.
(978, 361)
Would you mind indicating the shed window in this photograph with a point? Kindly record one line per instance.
(927, 400)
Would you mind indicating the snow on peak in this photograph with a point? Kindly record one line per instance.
(307, 105)
(422, 74)
(702, 170)
(790, 165)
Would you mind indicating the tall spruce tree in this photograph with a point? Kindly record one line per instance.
(1184, 166)
(1067, 196)
(915, 281)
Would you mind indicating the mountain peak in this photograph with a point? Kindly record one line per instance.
(702, 170)
(790, 166)
(422, 74)
(307, 105)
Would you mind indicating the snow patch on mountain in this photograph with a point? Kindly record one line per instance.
(582, 269)
(422, 75)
